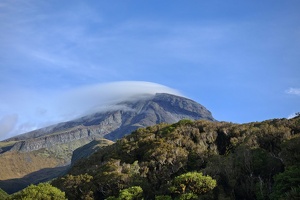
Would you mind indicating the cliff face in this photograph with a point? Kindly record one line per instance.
(77, 133)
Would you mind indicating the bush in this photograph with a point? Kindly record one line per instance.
(42, 191)
(3, 194)
(132, 193)
(192, 184)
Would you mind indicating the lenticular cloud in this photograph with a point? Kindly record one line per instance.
(96, 97)
(50, 107)
(117, 91)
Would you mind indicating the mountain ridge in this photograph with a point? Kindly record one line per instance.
(114, 124)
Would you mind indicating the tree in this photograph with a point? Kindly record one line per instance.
(290, 152)
(187, 196)
(286, 182)
(293, 194)
(163, 197)
(76, 187)
(192, 184)
(132, 193)
(42, 191)
(3, 194)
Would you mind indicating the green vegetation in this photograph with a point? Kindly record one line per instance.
(77, 187)
(3, 194)
(193, 182)
(5, 146)
(42, 191)
(132, 193)
(193, 160)
(287, 184)
(163, 197)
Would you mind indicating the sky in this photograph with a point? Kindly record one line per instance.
(59, 59)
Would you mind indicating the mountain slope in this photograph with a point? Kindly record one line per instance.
(117, 121)
(58, 142)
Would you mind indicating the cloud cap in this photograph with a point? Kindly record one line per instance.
(46, 108)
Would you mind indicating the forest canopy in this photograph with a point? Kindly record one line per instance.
(237, 161)
(193, 160)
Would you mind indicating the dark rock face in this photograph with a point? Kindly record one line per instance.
(88, 149)
(116, 122)
(48, 141)
(162, 108)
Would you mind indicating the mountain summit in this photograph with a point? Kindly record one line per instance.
(121, 119)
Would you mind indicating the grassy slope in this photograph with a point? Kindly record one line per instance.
(19, 169)
(17, 164)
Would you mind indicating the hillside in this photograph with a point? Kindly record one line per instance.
(53, 146)
(21, 169)
(258, 160)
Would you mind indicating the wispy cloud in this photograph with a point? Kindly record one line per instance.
(293, 91)
(291, 116)
(75, 38)
(7, 124)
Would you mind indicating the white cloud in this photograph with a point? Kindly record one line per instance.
(97, 97)
(37, 109)
(7, 124)
(291, 116)
(294, 91)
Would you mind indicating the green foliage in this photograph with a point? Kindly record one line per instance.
(192, 184)
(112, 198)
(286, 182)
(76, 187)
(184, 122)
(292, 194)
(163, 197)
(114, 176)
(42, 191)
(3, 194)
(290, 152)
(132, 193)
(187, 196)
(242, 158)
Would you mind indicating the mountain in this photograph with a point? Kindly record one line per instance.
(117, 121)
(55, 144)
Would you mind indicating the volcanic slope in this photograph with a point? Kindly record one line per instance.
(56, 143)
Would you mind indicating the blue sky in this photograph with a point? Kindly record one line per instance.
(240, 59)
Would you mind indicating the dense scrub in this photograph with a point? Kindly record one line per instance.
(42, 191)
(259, 160)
